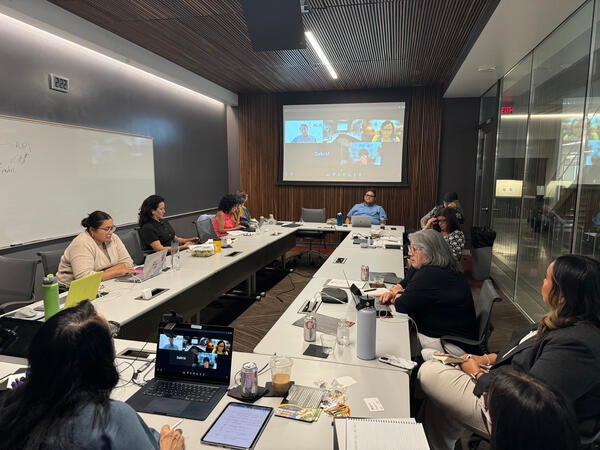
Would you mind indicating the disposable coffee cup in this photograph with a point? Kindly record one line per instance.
(217, 244)
(281, 372)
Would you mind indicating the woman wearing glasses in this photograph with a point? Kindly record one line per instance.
(95, 249)
(435, 293)
(563, 351)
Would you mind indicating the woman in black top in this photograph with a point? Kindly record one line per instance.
(156, 233)
(436, 294)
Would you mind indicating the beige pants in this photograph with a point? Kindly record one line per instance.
(450, 406)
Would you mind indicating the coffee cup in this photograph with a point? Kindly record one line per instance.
(281, 371)
(217, 244)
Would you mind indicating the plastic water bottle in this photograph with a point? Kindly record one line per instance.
(50, 287)
(175, 256)
(271, 219)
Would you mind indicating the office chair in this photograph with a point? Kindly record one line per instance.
(487, 297)
(132, 242)
(312, 215)
(204, 228)
(17, 283)
(50, 260)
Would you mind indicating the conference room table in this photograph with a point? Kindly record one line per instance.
(389, 387)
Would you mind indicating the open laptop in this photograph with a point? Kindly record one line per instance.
(153, 265)
(189, 379)
(85, 288)
(361, 221)
(356, 295)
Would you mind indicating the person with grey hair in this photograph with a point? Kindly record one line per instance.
(436, 294)
(242, 215)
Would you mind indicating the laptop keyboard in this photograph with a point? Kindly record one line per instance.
(182, 391)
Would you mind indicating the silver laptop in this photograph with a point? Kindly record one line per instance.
(192, 371)
(153, 265)
(360, 221)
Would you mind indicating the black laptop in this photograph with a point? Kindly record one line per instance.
(192, 371)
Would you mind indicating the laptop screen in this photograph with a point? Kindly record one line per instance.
(195, 353)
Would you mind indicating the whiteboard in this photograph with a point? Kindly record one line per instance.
(54, 175)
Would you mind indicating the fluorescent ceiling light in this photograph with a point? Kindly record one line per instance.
(319, 51)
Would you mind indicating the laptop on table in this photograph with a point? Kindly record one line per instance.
(189, 379)
(356, 294)
(153, 265)
(361, 221)
(85, 288)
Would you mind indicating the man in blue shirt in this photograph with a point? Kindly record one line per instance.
(368, 208)
(304, 137)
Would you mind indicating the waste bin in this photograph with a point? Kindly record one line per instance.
(482, 240)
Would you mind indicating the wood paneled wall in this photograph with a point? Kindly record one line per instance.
(260, 134)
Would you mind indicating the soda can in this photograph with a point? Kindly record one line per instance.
(310, 328)
(364, 273)
(249, 376)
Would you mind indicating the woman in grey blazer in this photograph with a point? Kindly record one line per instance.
(562, 351)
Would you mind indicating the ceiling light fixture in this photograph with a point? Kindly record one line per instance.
(486, 68)
(320, 53)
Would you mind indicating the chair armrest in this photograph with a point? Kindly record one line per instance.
(458, 340)
(10, 306)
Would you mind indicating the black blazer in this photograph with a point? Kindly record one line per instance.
(567, 359)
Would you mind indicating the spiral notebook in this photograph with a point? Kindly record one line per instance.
(353, 433)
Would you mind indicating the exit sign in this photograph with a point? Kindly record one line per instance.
(506, 110)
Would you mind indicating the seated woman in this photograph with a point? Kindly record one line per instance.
(446, 222)
(450, 200)
(224, 220)
(65, 399)
(522, 413)
(563, 351)
(242, 215)
(95, 249)
(436, 295)
(156, 233)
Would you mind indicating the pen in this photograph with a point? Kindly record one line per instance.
(369, 290)
(177, 424)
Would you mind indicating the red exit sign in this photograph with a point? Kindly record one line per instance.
(506, 110)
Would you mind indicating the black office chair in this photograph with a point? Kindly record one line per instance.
(312, 215)
(487, 297)
(132, 242)
(17, 283)
(50, 260)
(204, 228)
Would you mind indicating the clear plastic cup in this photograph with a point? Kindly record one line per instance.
(281, 372)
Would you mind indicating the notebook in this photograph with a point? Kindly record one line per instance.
(85, 288)
(153, 265)
(190, 374)
(355, 433)
(360, 221)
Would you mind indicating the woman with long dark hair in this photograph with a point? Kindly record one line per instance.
(225, 220)
(563, 351)
(446, 222)
(65, 401)
(155, 232)
(95, 249)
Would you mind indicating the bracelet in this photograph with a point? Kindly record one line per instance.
(489, 361)
(474, 375)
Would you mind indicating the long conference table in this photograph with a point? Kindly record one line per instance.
(200, 280)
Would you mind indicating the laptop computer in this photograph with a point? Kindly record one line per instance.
(192, 371)
(361, 221)
(366, 300)
(85, 288)
(153, 265)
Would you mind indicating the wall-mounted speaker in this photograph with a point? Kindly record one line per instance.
(274, 24)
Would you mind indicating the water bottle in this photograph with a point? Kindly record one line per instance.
(50, 287)
(339, 219)
(175, 256)
(271, 219)
(366, 329)
(343, 332)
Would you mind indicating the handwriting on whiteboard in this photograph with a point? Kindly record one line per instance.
(13, 157)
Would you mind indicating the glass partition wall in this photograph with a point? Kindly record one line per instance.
(547, 161)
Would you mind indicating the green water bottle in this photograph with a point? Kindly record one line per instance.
(51, 305)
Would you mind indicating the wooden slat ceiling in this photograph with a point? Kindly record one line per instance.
(371, 43)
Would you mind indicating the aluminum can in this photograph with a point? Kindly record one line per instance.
(249, 376)
(364, 273)
(310, 328)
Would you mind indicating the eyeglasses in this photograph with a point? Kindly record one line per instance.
(114, 328)
(108, 229)
(413, 249)
(369, 195)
